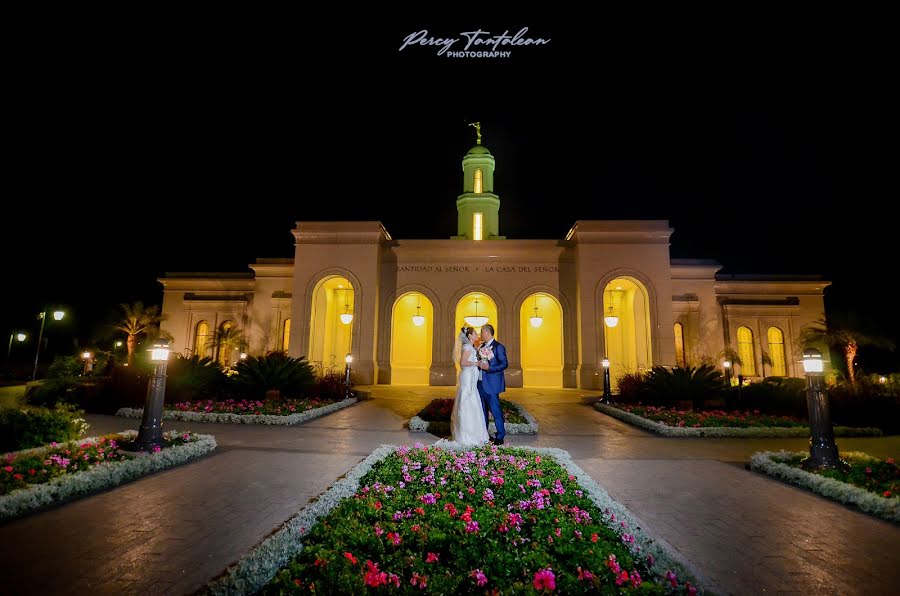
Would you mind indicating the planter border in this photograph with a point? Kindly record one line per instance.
(836, 490)
(229, 418)
(262, 562)
(100, 477)
(530, 427)
(757, 432)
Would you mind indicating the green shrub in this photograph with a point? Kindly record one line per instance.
(782, 396)
(65, 366)
(194, 378)
(52, 391)
(664, 387)
(23, 428)
(273, 375)
(629, 385)
(868, 403)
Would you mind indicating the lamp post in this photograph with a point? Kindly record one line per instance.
(607, 390)
(823, 452)
(348, 359)
(727, 366)
(20, 337)
(150, 434)
(88, 363)
(57, 316)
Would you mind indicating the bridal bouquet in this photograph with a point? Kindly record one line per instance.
(485, 353)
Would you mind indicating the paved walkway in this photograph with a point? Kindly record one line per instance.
(172, 531)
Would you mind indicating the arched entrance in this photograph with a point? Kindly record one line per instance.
(627, 343)
(331, 323)
(412, 330)
(540, 322)
(467, 307)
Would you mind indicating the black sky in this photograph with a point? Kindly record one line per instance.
(766, 142)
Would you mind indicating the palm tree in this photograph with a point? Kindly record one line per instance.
(844, 337)
(227, 339)
(138, 320)
(766, 361)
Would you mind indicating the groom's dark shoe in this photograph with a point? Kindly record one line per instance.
(497, 442)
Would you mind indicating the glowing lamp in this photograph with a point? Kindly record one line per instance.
(160, 351)
(58, 315)
(812, 361)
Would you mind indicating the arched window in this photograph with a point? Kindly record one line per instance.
(745, 351)
(679, 345)
(477, 226)
(201, 339)
(285, 335)
(776, 351)
(479, 182)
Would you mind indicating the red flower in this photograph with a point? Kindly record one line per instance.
(349, 556)
(887, 493)
(432, 558)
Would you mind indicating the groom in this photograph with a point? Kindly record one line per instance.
(492, 381)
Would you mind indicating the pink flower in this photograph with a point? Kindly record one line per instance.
(157, 449)
(585, 575)
(622, 578)
(636, 579)
(472, 527)
(349, 556)
(868, 470)
(889, 460)
(432, 558)
(673, 579)
(395, 538)
(691, 590)
(544, 580)
(428, 499)
(8, 469)
(479, 577)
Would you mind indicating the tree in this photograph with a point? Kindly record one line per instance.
(843, 336)
(138, 321)
(227, 339)
(766, 361)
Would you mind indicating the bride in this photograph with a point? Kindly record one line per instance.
(467, 419)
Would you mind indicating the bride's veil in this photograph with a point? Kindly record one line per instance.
(457, 346)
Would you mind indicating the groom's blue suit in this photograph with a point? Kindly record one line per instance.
(492, 384)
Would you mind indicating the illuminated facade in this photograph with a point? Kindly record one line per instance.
(608, 289)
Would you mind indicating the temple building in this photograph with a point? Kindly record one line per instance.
(609, 289)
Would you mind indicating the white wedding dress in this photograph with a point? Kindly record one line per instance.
(467, 419)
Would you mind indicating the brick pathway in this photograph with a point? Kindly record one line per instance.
(171, 532)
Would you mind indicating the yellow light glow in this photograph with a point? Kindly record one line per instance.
(477, 226)
(412, 331)
(86, 355)
(58, 315)
(542, 344)
(328, 335)
(679, 345)
(479, 181)
(348, 358)
(21, 336)
(746, 351)
(776, 351)
(628, 343)
(286, 335)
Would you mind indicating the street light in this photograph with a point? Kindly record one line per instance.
(150, 434)
(57, 316)
(727, 366)
(20, 337)
(348, 359)
(823, 452)
(607, 390)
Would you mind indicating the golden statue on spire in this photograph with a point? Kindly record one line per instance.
(477, 126)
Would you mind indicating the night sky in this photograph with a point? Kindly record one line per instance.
(769, 147)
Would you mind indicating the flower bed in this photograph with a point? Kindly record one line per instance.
(276, 412)
(34, 478)
(671, 422)
(435, 418)
(871, 484)
(453, 521)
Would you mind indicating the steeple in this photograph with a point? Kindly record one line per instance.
(478, 207)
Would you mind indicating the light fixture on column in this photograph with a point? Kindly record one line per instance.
(476, 321)
(346, 316)
(536, 320)
(418, 319)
